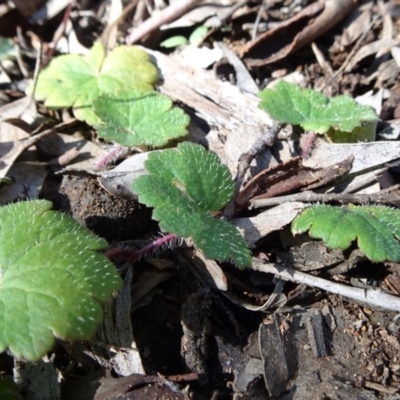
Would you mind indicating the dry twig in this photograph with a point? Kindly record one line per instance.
(372, 297)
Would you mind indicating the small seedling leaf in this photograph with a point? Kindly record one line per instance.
(75, 81)
(185, 185)
(198, 35)
(312, 110)
(376, 229)
(174, 41)
(133, 119)
(52, 279)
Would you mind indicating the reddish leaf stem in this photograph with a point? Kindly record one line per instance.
(126, 255)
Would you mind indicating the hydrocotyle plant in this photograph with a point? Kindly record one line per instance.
(337, 116)
(187, 186)
(376, 228)
(115, 93)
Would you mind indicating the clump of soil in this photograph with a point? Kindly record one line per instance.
(106, 215)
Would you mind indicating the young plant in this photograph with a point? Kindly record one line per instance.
(376, 229)
(339, 117)
(195, 38)
(75, 81)
(133, 119)
(114, 93)
(186, 186)
(52, 279)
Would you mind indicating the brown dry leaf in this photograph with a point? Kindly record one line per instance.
(383, 45)
(356, 24)
(10, 135)
(288, 177)
(60, 144)
(309, 24)
(24, 109)
(27, 180)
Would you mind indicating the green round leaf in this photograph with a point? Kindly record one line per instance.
(375, 228)
(185, 185)
(52, 279)
(312, 110)
(75, 81)
(133, 119)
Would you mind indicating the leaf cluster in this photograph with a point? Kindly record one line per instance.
(115, 93)
(185, 186)
(376, 229)
(312, 110)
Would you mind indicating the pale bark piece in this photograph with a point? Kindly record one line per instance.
(59, 144)
(381, 46)
(116, 347)
(24, 109)
(27, 180)
(255, 228)
(12, 150)
(118, 181)
(374, 297)
(310, 256)
(206, 11)
(168, 14)
(229, 113)
(366, 155)
(244, 80)
(295, 33)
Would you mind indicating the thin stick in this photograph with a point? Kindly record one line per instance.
(372, 297)
(384, 196)
(168, 14)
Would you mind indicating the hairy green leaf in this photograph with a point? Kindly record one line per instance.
(52, 278)
(312, 110)
(75, 81)
(185, 185)
(133, 119)
(376, 229)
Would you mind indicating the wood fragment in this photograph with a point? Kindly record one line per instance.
(315, 329)
(170, 13)
(272, 349)
(374, 297)
(390, 196)
(309, 24)
(287, 177)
